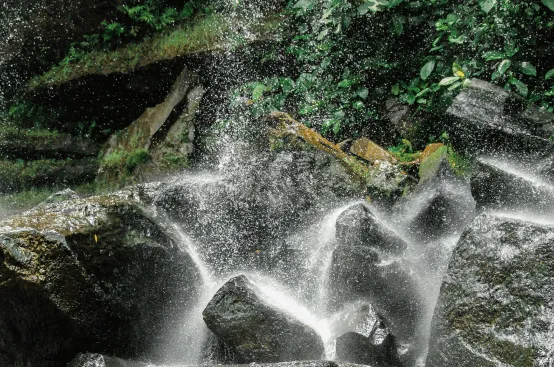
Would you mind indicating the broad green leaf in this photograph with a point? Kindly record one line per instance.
(395, 89)
(303, 4)
(511, 49)
(427, 69)
(362, 93)
(323, 34)
(448, 81)
(549, 74)
(493, 55)
(397, 25)
(336, 127)
(487, 5)
(549, 4)
(358, 105)
(528, 69)
(345, 83)
(520, 86)
(455, 85)
(373, 5)
(326, 62)
(258, 92)
(456, 68)
(504, 66)
(393, 3)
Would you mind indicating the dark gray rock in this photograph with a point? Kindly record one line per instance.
(357, 272)
(495, 305)
(498, 183)
(27, 146)
(257, 331)
(485, 117)
(358, 226)
(364, 337)
(255, 204)
(99, 360)
(398, 115)
(60, 196)
(92, 274)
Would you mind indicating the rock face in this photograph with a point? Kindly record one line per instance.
(485, 116)
(257, 331)
(380, 179)
(362, 268)
(99, 360)
(497, 183)
(358, 226)
(90, 274)
(495, 305)
(364, 337)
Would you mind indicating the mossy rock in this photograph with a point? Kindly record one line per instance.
(380, 178)
(94, 274)
(495, 305)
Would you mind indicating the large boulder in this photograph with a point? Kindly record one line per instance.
(358, 272)
(364, 337)
(504, 184)
(485, 117)
(257, 331)
(441, 204)
(358, 226)
(495, 306)
(93, 274)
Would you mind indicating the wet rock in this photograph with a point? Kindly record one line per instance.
(256, 204)
(363, 336)
(256, 330)
(379, 349)
(139, 136)
(399, 116)
(380, 179)
(90, 274)
(99, 360)
(370, 151)
(357, 272)
(441, 204)
(498, 183)
(89, 360)
(60, 196)
(358, 226)
(173, 152)
(495, 305)
(485, 117)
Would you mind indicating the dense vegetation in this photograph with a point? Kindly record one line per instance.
(352, 55)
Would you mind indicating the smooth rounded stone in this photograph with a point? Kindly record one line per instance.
(94, 274)
(255, 330)
(358, 226)
(495, 306)
(357, 273)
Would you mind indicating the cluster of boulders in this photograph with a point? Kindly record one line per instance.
(105, 275)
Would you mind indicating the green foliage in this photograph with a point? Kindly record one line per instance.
(122, 160)
(352, 55)
(404, 151)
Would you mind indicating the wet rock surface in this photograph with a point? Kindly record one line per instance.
(90, 274)
(495, 305)
(498, 183)
(364, 337)
(257, 331)
(358, 226)
(98, 360)
(485, 117)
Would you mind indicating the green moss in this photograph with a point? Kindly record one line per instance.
(210, 33)
(121, 159)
